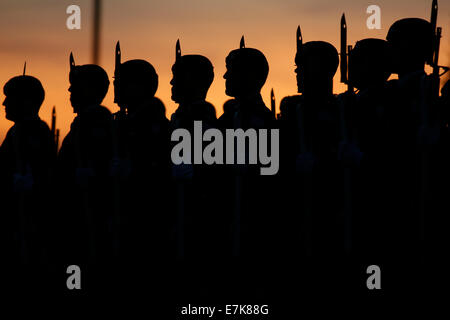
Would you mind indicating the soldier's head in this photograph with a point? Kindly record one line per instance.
(411, 44)
(368, 63)
(317, 63)
(24, 97)
(247, 71)
(88, 86)
(138, 82)
(192, 75)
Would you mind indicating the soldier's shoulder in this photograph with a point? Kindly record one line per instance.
(100, 114)
(289, 104)
(158, 106)
(291, 101)
(156, 112)
(44, 130)
(42, 125)
(229, 108)
(226, 117)
(205, 108)
(103, 111)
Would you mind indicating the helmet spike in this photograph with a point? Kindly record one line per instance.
(242, 43)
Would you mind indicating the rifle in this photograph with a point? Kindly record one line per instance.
(238, 189)
(180, 187)
(115, 128)
(347, 214)
(84, 192)
(426, 104)
(307, 177)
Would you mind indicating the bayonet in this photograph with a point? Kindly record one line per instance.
(433, 22)
(299, 40)
(53, 127)
(299, 45)
(24, 68)
(349, 84)
(72, 62)
(117, 59)
(272, 104)
(344, 65)
(54, 131)
(177, 50)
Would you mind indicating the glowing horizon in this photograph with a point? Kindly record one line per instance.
(36, 32)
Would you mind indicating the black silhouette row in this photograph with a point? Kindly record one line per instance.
(362, 175)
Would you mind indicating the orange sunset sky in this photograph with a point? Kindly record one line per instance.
(36, 31)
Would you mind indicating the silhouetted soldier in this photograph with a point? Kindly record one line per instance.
(367, 118)
(311, 136)
(84, 163)
(445, 103)
(413, 134)
(27, 160)
(440, 189)
(143, 137)
(248, 202)
(196, 224)
(192, 77)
